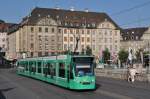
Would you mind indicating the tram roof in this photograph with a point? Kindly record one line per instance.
(83, 56)
(46, 58)
(59, 57)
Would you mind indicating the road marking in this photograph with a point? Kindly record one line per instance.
(114, 95)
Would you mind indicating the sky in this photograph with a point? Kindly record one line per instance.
(126, 13)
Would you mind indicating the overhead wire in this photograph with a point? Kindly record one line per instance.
(131, 9)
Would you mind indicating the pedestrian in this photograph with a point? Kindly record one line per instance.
(131, 75)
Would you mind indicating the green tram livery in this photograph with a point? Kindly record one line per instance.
(69, 71)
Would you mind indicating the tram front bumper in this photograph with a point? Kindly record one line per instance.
(82, 85)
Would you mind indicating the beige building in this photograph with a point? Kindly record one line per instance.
(135, 38)
(13, 51)
(3, 36)
(46, 31)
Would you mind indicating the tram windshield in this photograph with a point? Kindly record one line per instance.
(83, 66)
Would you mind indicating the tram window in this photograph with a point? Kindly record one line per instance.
(26, 66)
(45, 69)
(51, 69)
(31, 66)
(33, 69)
(39, 67)
(69, 72)
(62, 70)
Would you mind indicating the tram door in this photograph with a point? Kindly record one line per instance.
(50, 69)
(69, 72)
(62, 74)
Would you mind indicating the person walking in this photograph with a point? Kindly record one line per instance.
(131, 75)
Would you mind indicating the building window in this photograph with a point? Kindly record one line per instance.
(93, 40)
(82, 39)
(105, 40)
(40, 38)
(53, 30)
(46, 30)
(59, 30)
(88, 39)
(71, 31)
(46, 38)
(93, 47)
(40, 29)
(82, 31)
(3, 39)
(65, 31)
(77, 31)
(105, 32)
(82, 46)
(110, 33)
(116, 47)
(32, 45)
(32, 29)
(71, 46)
(71, 39)
(65, 46)
(115, 41)
(65, 39)
(88, 31)
(39, 54)
(46, 53)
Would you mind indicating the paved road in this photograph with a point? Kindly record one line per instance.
(13, 86)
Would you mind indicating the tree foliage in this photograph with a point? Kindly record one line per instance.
(123, 55)
(106, 55)
(88, 51)
(82, 52)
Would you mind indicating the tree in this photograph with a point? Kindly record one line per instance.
(106, 55)
(88, 51)
(138, 54)
(123, 55)
(82, 52)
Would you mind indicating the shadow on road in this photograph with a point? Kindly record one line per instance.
(4, 90)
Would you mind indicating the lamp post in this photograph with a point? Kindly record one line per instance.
(148, 72)
(149, 57)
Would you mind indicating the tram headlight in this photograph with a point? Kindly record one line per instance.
(92, 81)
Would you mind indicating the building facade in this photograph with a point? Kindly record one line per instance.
(46, 31)
(3, 36)
(135, 38)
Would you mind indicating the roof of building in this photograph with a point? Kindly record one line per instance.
(133, 33)
(1, 21)
(5, 26)
(68, 18)
(13, 28)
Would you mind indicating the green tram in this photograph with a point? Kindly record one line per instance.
(69, 71)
